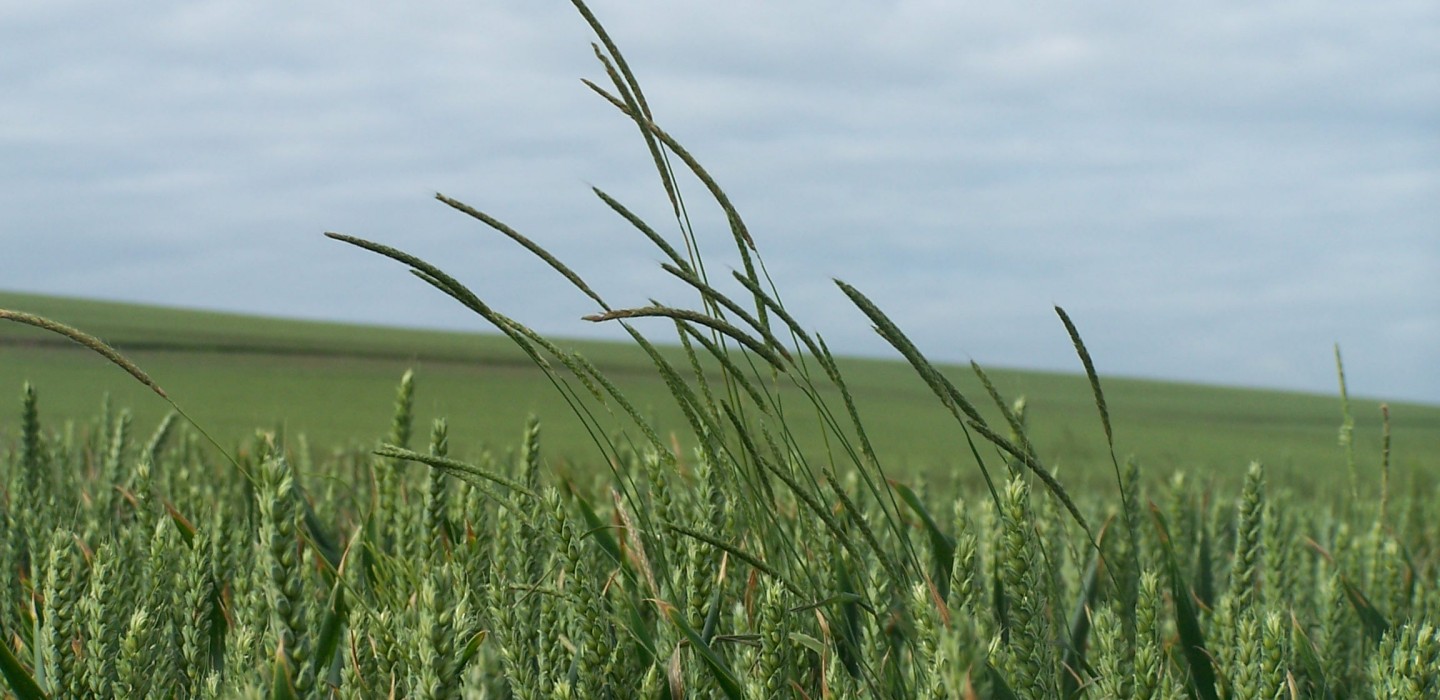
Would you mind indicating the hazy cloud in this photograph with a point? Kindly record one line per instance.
(1216, 191)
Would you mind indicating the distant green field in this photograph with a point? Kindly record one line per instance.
(335, 383)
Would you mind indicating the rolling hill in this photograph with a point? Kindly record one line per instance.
(335, 384)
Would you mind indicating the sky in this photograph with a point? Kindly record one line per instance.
(1216, 192)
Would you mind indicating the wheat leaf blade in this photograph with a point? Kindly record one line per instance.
(1187, 621)
(19, 679)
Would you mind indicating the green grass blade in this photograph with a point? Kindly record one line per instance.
(455, 467)
(471, 649)
(700, 423)
(1371, 618)
(771, 354)
(736, 552)
(20, 680)
(451, 287)
(702, 379)
(282, 686)
(626, 83)
(857, 516)
(1073, 657)
(732, 370)
(1187, 621)
(710, 294)
(528, 244)
(1039, 470)
(1101, 406)
(942, 546)
(630, 103)
(744, 244)
(327, 643)
(774, 306)
(88, 341)
(998, 687)
(841, 599)
(1309, 658)
(1094, 378)
(949, 396)
(871, 462)
(325, 543)
(892, 334)
(1347, 428)
(803, 495)
(1384, 461)
(182, 524)
(848, 636)
(640, 225)
(1013, 420)
(718, 668)
(598, 527)
(1204, 583)
(438, 277)
(122, 362)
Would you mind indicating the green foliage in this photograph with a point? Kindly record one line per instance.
(205, 582)
(744, 562)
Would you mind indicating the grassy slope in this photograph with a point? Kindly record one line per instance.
(335, 383)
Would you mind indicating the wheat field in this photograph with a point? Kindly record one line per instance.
(152, 560)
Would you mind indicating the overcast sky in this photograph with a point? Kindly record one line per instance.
(1215, 191)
